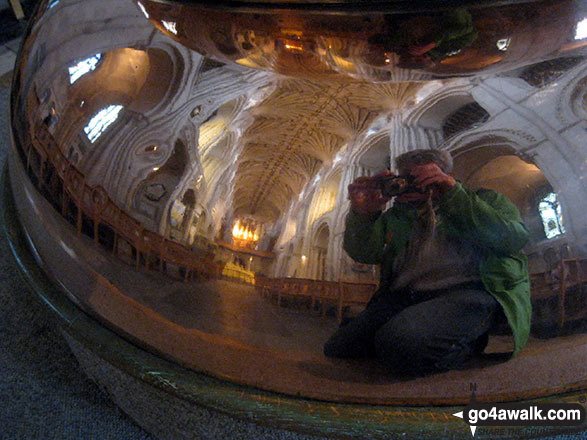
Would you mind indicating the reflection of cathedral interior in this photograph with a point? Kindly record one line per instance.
(180, 196)
(188, 168)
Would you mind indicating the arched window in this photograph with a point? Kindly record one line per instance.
(470, 115)
(552, 218)
(546, 72)
(99, 123)
(82, 67)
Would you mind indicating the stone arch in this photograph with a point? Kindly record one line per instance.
(171, 175)
(217, 123)
(187, 205)
(285, 261)
(579, 99)
(217, 158)
(370, 149)
(375, 155)
(319, 253)
(494, 162)
(453, 114)
(574, 98)
(153, 194)
(176, 163)
(160, 80)
(202, 226)
(468, 159)
(199, 228)
(497, 165)
(325, 198)
(546, 72)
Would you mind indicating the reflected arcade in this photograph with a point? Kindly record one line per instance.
(182, 169)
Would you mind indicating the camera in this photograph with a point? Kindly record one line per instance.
(392, 185)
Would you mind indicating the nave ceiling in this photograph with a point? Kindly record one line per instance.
(256, 139)
(298, 129)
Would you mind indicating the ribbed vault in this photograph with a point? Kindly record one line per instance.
(297, 130)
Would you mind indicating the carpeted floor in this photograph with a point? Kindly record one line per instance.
(43, 392)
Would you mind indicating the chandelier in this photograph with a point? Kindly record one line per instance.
(246, 233)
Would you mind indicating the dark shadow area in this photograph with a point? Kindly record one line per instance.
(10, 26)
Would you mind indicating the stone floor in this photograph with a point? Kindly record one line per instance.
(11, 30)
(8, 53)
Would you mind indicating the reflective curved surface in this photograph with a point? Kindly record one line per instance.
(380, 42)
(181, 171)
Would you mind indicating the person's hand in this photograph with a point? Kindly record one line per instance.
(365, 195)
(430, 177)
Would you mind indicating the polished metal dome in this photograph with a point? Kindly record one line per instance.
(181, 167)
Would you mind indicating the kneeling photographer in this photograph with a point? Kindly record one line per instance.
(450, 261)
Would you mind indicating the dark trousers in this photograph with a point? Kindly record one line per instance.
(419, 332)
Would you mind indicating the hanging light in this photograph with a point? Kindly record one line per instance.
(246, 233)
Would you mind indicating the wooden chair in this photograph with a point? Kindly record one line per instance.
(93, 202)
(109, 218)
(325, 293)
(131, 231)
(152, 248)
(268, 287)
(573, 272)
(177, 254)
(294, 288)
(73, 189)
(36, 161)
(353, 293)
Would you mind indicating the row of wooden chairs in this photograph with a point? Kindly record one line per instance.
(81, 203)
(564, 274)
(573, 273)
(318, 294)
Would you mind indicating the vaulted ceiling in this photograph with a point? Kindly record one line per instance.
(298, 129)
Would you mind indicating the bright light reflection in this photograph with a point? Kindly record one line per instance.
(143, 10)
(552, 218)
(171, 26)
(83, 67)
(101, 121)
(581, 30)
(503, 44)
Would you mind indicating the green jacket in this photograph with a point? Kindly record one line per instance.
(486, 219)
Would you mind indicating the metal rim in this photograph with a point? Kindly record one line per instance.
(341, 6)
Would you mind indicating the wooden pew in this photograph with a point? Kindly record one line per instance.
(93, 202)
(353, 293)
(294, 288)
(268, 287)
(177, 254)
(131, 231)
(73, 190)
(324, 293)
(573, 272)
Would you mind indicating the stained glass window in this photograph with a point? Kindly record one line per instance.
(80, 69)
(101, 121)
(467, 117)
(552, 217)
